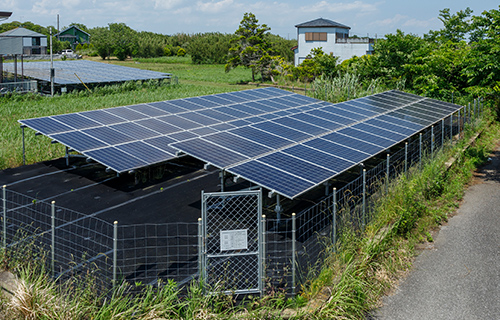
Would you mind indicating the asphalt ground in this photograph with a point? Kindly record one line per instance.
(458, 277)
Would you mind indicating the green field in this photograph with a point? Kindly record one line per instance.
(194, 80)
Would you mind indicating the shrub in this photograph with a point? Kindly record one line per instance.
(181, 52)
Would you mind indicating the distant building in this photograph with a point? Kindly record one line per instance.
(74, 36)
(332, 37)
(23, 41)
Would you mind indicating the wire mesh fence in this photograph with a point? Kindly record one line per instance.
(291, 250)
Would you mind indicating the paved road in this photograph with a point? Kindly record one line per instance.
(459, 278)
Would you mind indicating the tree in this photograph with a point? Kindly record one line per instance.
(456, 27)
(101, 38)
(249, 45)
(124, 39)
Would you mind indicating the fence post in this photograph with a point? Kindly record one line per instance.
(24, 146)
(387, 175)
(115, 250)
(305, 89)
(475, 108)
(432, 141)
(264, 254)
(200, 250)
(364, 199)
(4, 204)
(53, 237)
(468, 112)
(334, 224)
(294, 237)
(442, 132)
(420, 152)
(406, 157)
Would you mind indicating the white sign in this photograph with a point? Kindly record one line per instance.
(233, 240)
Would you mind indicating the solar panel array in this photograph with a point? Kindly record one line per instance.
(283, 141)
(88, 71)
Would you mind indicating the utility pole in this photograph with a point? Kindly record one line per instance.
(51, 66)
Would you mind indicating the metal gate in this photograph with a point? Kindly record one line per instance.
(232, 237)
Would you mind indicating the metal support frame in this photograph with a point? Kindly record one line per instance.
(200, 251)
(24, 146)
(432, 141)
(334, 223)
(406, 157)
(278, 209)
(442, 132)
(262, 262)
(364, 199)
(294, 251)
(115, 250)
(222, 180)
(4, 204)
(66, 155)
(53, 237)
(420, 150)
(387, 174)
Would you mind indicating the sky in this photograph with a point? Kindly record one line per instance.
(365, 17)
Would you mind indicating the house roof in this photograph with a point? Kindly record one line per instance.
(320, 22)
(21, 32)
(70, 27)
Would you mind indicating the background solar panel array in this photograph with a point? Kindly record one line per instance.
(88, 71)
(282, 141)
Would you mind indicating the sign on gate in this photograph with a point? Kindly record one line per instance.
(232, 241)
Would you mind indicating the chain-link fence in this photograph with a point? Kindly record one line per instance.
(279, 254)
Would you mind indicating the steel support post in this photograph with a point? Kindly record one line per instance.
(222, 174)
(420, 151)
(24, 146)
(387, 174)
(406, 158)
(364, 198)
(263, 276)
(4, 205)
(294, 250)
(442, 132)
(115, 250)
(53, 238)
(432, 141)
(475, 108)
(67, 156)
(278, 209)
(468, 112)
(334, 224)
(200, 251)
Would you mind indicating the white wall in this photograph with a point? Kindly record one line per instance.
(342, 50)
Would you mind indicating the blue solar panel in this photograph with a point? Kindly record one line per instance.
(222, 127)
(369, 107)
(148, 110)
(231, 97)
(76, 121)
(46, 125)
(126, 113)
(298, 167)
(237, 144)
(203, 131)
(331, 117)
(183, 135)
(158, 126)
(217, 100)
(255, 119)
(419, 113)
(180, 122)
(246, 109)
(352, 108)
(217, 115)
(373, 101)
(209, 152)
(239, 123)
(168, 108)
(391, 118)
(199, 102)
(365, 136)
(259, 106)
(232, 112)
(391, 126)
(338, 111)
(405, 116)
(262, 137)
(338, 150)
(144, 152)
(265, 175)
(282, 131)
(120, 160)
(427, 108)
(199, 118)
(102, 116)
(380, 132)
(330, 125)
(361, 145)
(329, 161)
(162, 143)
(78, 141)
(300, 125)
(109, 135)
(134, 130)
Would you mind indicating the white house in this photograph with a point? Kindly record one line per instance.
(332, 37)
(23, 41)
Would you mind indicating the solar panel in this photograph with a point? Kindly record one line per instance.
(282, 141)
(88, 71)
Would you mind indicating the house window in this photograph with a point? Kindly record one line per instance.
(35, 41)
(315, 36)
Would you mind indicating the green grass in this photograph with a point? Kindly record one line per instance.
(194, 80)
